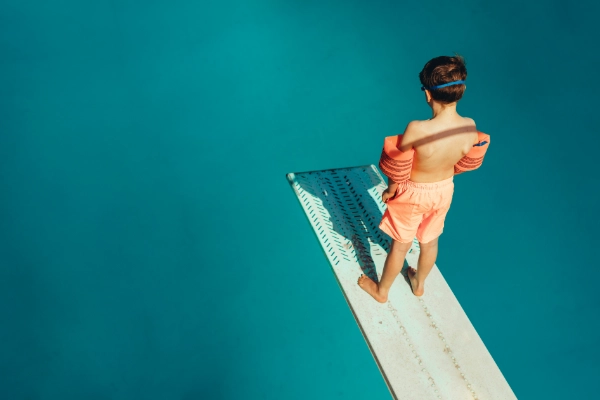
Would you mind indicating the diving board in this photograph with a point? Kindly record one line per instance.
(425, 348)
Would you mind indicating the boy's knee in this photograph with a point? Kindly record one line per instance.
(428, 245)
(400, 246)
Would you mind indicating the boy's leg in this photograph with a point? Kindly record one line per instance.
(427, 258)
(393, 265)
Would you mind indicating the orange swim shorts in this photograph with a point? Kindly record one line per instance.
(418, 209)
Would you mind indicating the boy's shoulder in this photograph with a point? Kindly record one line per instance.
(425, 123)
(418, 129)
(414, 131)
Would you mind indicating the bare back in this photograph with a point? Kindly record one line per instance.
(439, 143)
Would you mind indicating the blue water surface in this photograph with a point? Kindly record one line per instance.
(151, 247)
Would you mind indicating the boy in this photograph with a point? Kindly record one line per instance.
(420, 166)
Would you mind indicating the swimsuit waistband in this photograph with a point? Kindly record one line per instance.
(427, 187)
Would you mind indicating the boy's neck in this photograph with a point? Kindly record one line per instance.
(443, 110)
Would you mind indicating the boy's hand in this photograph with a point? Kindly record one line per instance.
(387, 194)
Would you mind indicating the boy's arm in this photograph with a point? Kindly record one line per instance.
(474, 158)
(391, 189)
(396, 160)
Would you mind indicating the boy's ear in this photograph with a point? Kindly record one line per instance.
(428, 95)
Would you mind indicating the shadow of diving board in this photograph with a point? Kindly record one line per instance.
(425, 348)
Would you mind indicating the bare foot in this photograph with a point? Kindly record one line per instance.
(372, 288)
(414, 285)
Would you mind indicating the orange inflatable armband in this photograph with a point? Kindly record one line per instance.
(394, 163)
(474, 158)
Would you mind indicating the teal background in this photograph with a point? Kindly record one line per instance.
(152, 249)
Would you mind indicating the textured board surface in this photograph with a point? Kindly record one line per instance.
(425, 348)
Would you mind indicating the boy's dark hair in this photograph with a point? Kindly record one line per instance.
(442, 70)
